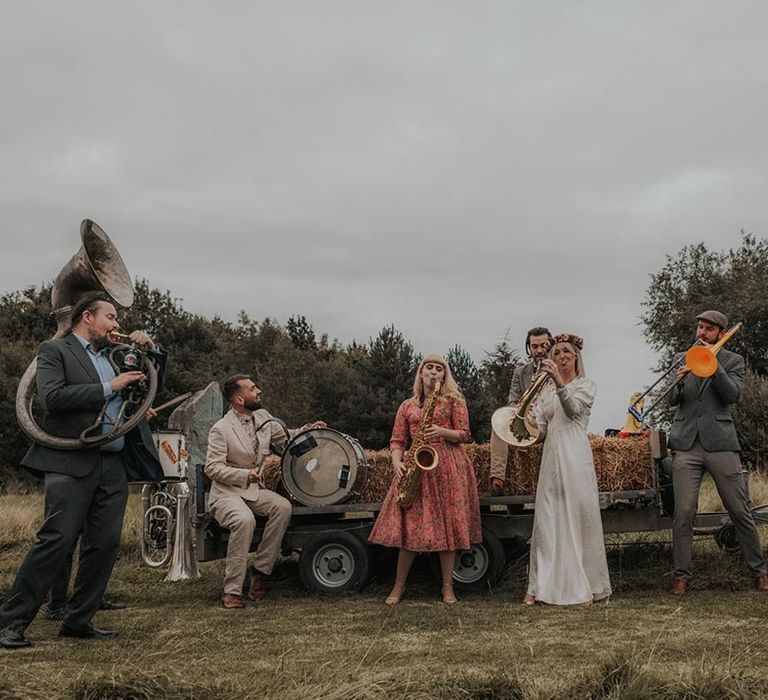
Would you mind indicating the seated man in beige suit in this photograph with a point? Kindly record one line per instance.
(237, 446)
(537, 344)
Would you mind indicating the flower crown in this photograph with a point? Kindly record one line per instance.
(576, 340)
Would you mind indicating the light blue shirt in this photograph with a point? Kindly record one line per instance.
(106, 373)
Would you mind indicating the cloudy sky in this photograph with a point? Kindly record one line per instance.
(459, 169)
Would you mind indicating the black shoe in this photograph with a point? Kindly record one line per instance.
(12, 637)
(89, 632)
(495, 491)
(111, 605)
(55, 613)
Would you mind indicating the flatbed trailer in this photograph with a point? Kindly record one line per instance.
(335, 555)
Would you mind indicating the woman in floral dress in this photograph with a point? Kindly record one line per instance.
(445, 515)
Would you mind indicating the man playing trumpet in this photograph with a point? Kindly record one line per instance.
(537, 344)
(703, 438)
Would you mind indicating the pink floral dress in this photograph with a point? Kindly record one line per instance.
(446, 513)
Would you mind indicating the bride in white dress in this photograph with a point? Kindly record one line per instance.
(568, 564)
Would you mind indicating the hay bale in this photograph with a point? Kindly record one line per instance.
(621, 464)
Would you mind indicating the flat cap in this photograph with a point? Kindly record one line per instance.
(714, 317)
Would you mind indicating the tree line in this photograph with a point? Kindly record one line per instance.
(357, 387)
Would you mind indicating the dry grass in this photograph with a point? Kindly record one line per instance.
(176, 643)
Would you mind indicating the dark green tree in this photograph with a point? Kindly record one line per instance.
(734, 282)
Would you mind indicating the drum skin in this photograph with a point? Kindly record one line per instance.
(172, 450)
(323, 467)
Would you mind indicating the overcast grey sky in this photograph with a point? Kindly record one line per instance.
(454, 168)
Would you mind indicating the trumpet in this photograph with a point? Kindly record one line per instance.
(700, 359)
(116, 337)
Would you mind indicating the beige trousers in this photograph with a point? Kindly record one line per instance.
(238, 516)
(499, 454)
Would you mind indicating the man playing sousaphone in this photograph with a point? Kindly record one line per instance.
(537, 344)
(85, 489)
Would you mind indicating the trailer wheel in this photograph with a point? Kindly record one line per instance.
(333, 562)
(726, 539)
(478, 567)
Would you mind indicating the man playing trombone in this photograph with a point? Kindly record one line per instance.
(537, 344)
(703, 438)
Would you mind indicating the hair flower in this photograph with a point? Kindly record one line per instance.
(576, 340)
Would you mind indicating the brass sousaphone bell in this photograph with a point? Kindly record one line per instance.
(96, 267)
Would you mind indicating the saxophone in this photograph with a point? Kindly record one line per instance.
(421, 457)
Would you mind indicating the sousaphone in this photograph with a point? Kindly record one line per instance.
(96, 267)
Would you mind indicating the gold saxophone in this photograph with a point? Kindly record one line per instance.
(421, 457)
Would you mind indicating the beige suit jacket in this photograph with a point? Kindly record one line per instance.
(231, 454)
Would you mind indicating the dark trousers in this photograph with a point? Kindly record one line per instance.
(688, 467)
(94, 503)
(60, 587)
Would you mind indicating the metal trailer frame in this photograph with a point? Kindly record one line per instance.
(335, 555)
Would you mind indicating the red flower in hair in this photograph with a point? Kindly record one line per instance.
(576, 340)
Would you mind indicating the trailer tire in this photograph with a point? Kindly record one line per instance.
(478, 568)
(726, 539)
(334, 562)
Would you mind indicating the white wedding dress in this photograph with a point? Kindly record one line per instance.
(568, 563)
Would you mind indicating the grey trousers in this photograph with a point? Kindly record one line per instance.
(688, 467)
(238, 515)
(96, 502)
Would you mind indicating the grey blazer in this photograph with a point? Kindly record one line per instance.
(521, 380)
(704, 407)
(70, 390)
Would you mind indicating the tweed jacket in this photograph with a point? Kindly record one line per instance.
(704, 407)
(521, 380)
(232, 454)
(71, 393)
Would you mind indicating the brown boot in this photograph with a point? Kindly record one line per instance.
(679, 587)
(258, 589)
(495, 488)
(231, 601)
(761, 583)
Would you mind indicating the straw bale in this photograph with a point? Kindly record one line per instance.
(621, 464)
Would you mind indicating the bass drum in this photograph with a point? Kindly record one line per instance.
(172, 450)
(323, 467)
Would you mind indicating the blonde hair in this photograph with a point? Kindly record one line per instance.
(450, 388)
(575, 350)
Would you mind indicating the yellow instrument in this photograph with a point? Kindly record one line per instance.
(516, 425)
(421, 457)
(700, 359)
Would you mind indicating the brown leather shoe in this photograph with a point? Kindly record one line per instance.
(761, 583)
(495, 491)
(231, 601)
(679, 587)
(258, 589)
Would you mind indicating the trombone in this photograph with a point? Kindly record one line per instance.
(700, 359)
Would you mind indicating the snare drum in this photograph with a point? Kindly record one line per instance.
(322, 467)
(172, 449)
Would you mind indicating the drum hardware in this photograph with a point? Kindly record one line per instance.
(700, 359)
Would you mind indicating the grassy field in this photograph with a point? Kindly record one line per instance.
(175, 642)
